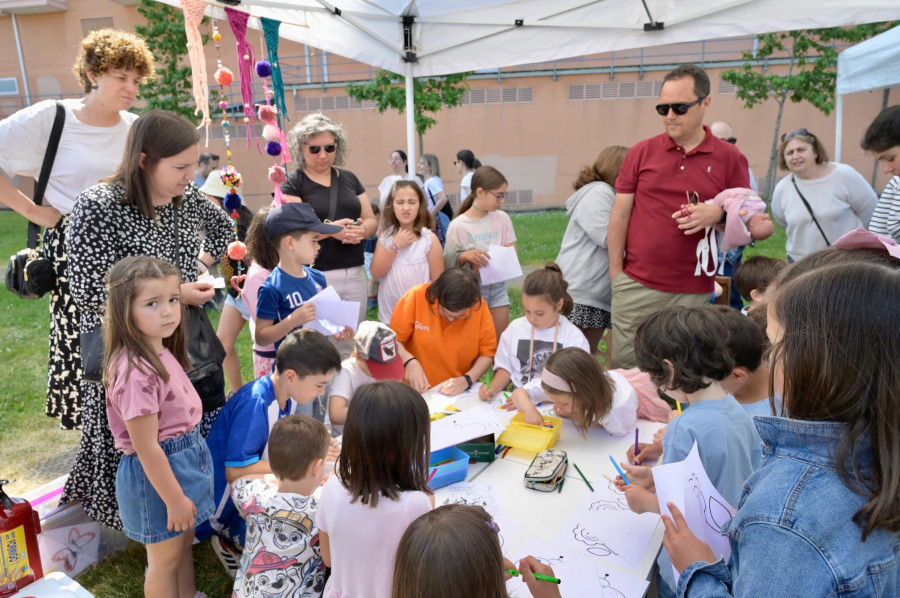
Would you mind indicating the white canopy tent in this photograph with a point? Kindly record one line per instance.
(420, 38)
(872, 64)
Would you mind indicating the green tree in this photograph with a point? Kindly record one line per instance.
(811, 74)
(164, 32)
(388, 90)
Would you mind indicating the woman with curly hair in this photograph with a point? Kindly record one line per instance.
(110, 67)
(319, 146)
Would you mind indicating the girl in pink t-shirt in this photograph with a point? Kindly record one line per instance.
(164, 481)
(263, 257)
(381, 488)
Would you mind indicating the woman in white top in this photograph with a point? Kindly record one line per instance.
(820, 200)
(399, 170)
(466, 164)
(110, 67)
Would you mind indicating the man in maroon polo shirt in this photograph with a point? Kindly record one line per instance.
(660, 237)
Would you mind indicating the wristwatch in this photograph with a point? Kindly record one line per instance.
(468, 381)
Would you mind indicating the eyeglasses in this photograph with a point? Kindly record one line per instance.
(731, 140)
(499, 196)
(315, 149)
(787, 136)
(451, 317)
(679, 108)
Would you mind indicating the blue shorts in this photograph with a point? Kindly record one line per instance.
(495, 294)
(238, 304)
(143, 512)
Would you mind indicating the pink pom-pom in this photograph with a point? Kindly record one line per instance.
(223, 104)
(237, 251)
(224, 76)
(268, 114)
(277, 175)
(271, 133)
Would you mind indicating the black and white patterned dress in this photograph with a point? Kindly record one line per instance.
(103, 230)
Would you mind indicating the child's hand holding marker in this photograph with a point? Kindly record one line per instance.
(638, 475)
(530, 567)
(647, 452)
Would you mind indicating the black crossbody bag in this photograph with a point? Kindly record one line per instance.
(809, 209)
(28, 274)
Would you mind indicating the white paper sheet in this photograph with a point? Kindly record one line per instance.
(463, 426)
(503, 265)
(216, 281)
(332, 314)
(580, 577)
(438, 402)
(604, 527)
(687, 486)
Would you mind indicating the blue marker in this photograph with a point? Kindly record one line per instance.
(619, 469)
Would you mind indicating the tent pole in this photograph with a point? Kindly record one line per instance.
(839, 117)
(410, 123)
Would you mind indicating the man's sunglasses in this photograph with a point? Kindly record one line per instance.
(680, 108)
(329, 149)
(804, 132)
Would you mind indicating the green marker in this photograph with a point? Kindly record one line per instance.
(539, 576)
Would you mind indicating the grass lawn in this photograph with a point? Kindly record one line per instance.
(34, 450)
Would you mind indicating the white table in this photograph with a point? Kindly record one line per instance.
(539, 515)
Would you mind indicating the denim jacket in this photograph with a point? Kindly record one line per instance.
(793, 534)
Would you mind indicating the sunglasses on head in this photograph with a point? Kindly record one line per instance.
(731, 140)
(787, 136)
(679, 108)
(329, 149)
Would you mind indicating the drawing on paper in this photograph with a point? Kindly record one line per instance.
(594, 545)
(607, 590)
(714, 512)
(619, 504)
(473, 494)
(479, 428)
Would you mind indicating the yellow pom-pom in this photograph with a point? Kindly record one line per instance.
(228, 153)
(217, 36)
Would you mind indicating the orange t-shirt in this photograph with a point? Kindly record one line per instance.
(444, 349)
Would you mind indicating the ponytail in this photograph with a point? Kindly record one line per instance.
(548, 282)
(487, 178)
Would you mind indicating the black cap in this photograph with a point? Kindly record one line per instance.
(289, 217)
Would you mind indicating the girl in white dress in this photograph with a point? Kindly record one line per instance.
(407, 253)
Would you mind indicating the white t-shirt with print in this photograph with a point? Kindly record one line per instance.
(516, 355)
(345, 383)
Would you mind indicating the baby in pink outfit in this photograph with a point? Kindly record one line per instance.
(746, 218)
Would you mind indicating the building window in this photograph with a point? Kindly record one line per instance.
(9, 86)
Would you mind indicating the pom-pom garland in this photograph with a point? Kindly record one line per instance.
(271, 133)
(273, 148)
(268, 114)
(237, 251)
(231, 177)
(277, 175)
(232, 202)
(224, 76)
(263, 69)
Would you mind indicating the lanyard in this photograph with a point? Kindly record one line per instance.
(531, 349)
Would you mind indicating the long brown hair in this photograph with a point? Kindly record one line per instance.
(455, 289)
(157, 134)
(487, 178)
(548, 282)
(260, 248)
(449, 552)
(386, 439)
(424, 219)
(839, 360)
(120, 334)
(604, 169)
(592, 391)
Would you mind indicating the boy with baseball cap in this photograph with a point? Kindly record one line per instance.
(282, 306)
(375, 357)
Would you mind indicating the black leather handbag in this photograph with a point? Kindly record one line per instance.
(28, 274)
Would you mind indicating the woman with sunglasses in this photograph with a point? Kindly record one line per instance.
(318, 145)
(820, 200)
(445, 333)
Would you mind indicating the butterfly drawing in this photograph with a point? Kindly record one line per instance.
(76, 542)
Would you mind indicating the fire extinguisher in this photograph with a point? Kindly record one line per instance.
(20, 561)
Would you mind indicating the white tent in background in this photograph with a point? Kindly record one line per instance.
(872, 64)
(419, 38)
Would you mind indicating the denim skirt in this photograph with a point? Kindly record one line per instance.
(143, 512)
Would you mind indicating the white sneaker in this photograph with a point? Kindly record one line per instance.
(228, 556)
